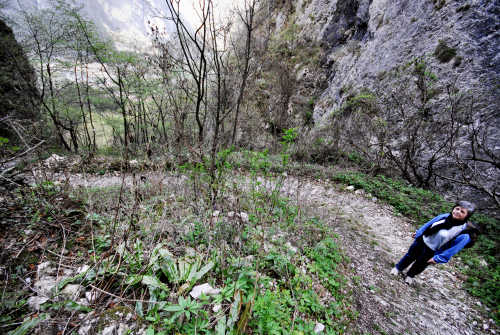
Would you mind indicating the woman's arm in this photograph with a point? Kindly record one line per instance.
(443, 256)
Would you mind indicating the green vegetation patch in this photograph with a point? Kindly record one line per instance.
(416, 203)
(444, 53)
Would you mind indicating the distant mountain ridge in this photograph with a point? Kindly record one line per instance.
(125, 22)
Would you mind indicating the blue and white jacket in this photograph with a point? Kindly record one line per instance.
(448, 250)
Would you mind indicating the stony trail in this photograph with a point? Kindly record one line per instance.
(374, 238)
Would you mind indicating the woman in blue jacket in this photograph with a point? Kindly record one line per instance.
(438, 240)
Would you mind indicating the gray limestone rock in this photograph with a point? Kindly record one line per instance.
(319, 328)
(364, 46)
(206, 289)
(72, 291)
(35, 302)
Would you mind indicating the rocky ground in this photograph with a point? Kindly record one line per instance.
(374, 238)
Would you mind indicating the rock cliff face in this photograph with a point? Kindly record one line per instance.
(17, 81)
(385, 34)
(416, 68)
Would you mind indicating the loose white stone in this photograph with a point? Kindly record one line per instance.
(72, 291)
(122, 329)
(244, 217)
(91, 296)
(216, 214)
(190, 252)
(230, 215)
(35, 302)
(110, 330)
(53, 160)
(44, 286)
(83, 269)
(217, 308)
(319, 328)
(350, 188)
(44, 269)
(83, 302)
(84, 330)
(203, 289)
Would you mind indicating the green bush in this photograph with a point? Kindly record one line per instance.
(444, 53)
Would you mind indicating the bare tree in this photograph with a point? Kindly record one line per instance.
(247, 17)
(46, 37)
(194, 44)
(423, 128)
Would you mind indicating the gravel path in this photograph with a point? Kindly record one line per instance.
(375, 238)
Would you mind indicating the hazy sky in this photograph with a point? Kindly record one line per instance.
(127, 20)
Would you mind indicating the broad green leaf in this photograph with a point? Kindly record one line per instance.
(176, 315)
(133, 279)
(77, 307)
(169, 268)
(160, 255)
(28, 325)
(191, 271)
(220, 329)
(184, 269)
(173, 308)
(138, 309)
(152, 298)
(150, 331)
(63, 283)
(203, 271)
(235, 310)
(154, 282)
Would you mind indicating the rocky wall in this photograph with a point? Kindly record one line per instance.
(363, 41)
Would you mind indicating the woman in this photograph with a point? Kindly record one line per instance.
(438, 240)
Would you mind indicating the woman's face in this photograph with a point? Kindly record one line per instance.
(459, 213)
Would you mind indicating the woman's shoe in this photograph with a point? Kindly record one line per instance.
(395, 271)
(409, 280)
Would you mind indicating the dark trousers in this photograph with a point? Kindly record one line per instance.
(418, 254)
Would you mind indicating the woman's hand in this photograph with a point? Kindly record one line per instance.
(431, 261)
(413, 235)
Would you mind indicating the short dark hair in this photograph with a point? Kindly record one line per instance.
(469, 206)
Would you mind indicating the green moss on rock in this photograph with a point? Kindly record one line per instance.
(444, 53)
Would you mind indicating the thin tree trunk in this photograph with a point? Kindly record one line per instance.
(89, 106)
(80, 102)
